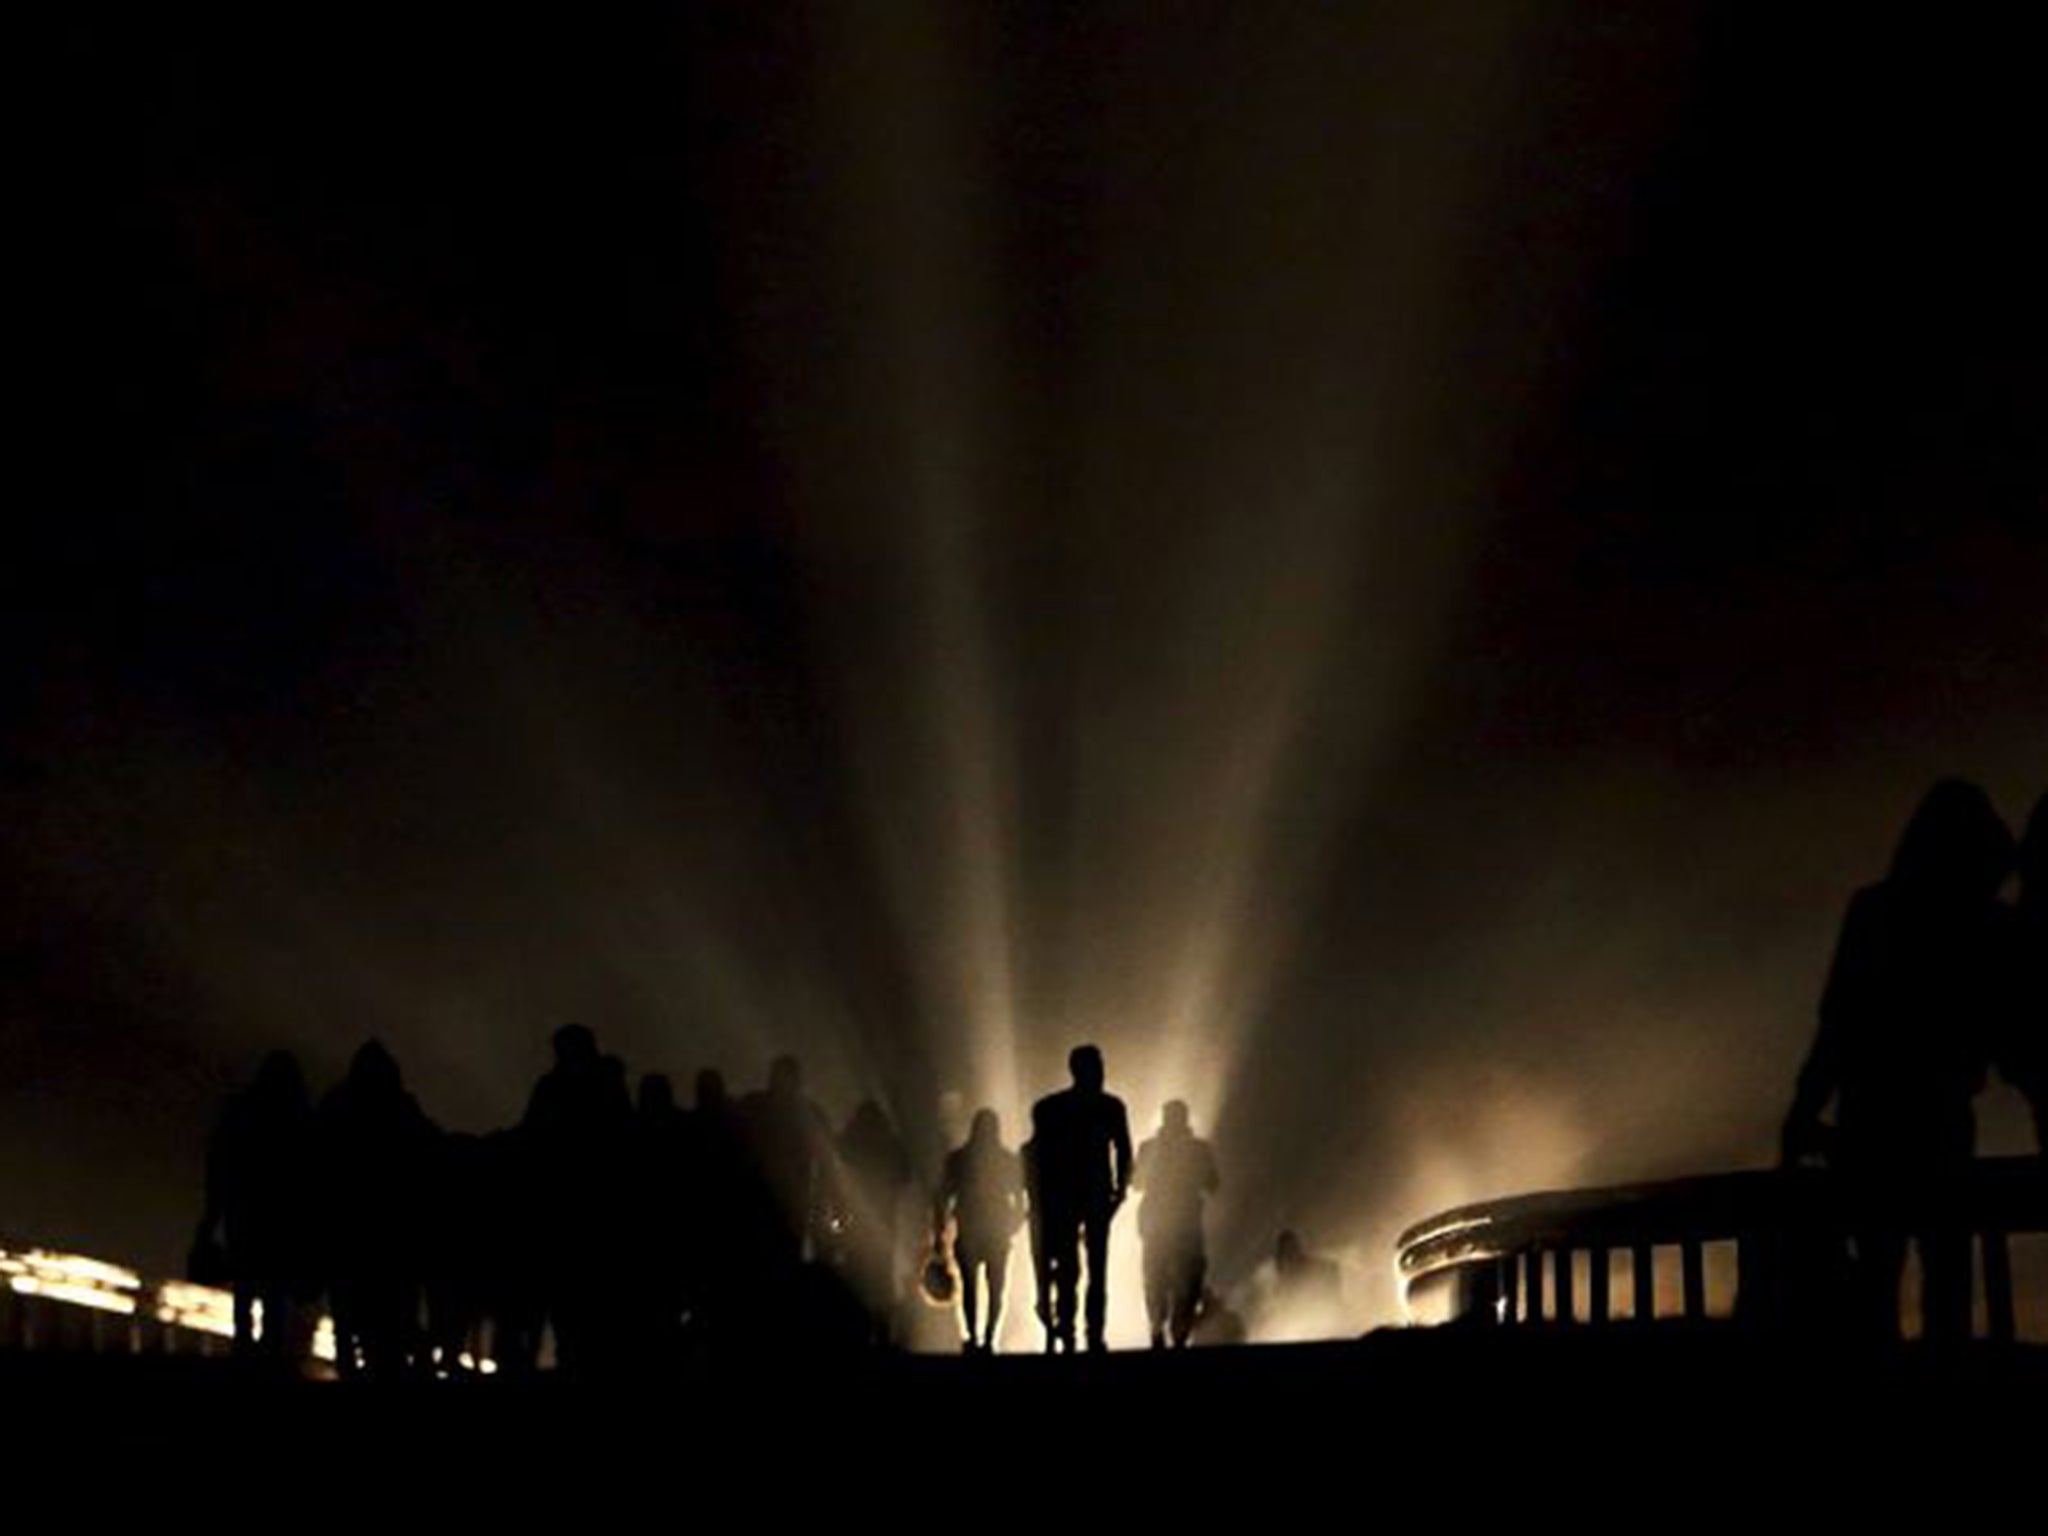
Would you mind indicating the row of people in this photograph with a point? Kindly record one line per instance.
(631, 1229)
(1065, 1185)
(638, 1229)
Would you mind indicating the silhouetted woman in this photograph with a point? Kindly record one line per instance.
(1904, 1040)
(981, 1191)
(259, 1195)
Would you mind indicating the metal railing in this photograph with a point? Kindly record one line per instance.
(1517, 1261)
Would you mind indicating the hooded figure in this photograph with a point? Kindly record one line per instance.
(1906, 1024)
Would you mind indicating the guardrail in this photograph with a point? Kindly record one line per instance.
(69, 1302)
(1517, 1261)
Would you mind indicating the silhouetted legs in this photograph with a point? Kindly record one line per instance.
(1176, 1269)
(992, 1266)
(1892, 1211)
(1067, 1239)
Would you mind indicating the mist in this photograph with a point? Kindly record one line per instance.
(1381, 563)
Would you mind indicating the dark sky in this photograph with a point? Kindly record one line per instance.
(1395, 564)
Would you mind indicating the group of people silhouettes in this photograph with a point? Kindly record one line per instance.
(637, 1231)
(1936, 981)
(632, 1229)
(1066, 1185)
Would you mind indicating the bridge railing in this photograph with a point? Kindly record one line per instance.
(1516, 1261)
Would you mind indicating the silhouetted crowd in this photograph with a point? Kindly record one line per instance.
(639, 1233)
(1936, 981)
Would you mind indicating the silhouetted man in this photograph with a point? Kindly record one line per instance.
(375, 1150)
(1082, 1141)
(1176, 1171)
(981, 1191)
(721, 1184)
(260, 1192)
(660, 1216)
(579, 1130)
(1904, 1041)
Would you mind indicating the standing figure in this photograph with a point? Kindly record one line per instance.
(789, 1145)
(720, 1181)
(377, 1156)
(981, 1192)
(872, 1174)
(578, 1131)
(1176, 1171)
(259, 1193)
(1903, 1044)
(660, 1220)
(1083, 1162)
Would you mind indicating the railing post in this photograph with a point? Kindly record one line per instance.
(1532, 1285)
(1644, 1261)
(1567, 1287)
(1599, 1270)
(1998, 1307)
(1695, 1280)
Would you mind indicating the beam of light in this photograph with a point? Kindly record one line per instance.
(934, 764)
(1233, 709)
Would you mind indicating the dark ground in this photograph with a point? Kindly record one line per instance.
(1423, 1428)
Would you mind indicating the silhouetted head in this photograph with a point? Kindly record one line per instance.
(575, 1045)
(374, 1070)
(785, 1077)
(1287, 1251)
(986, 1128)
(1084, 1062)
(1955, 849)
(2034, 857)
(657, 1094)
(1174, 1117)
(711, 1089)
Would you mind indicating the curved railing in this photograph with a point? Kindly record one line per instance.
(1519, 1261)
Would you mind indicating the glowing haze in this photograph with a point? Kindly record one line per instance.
(1381, 562)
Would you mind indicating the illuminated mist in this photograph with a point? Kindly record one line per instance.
(1104, 531)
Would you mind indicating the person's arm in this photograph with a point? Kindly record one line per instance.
(1120, 1126)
